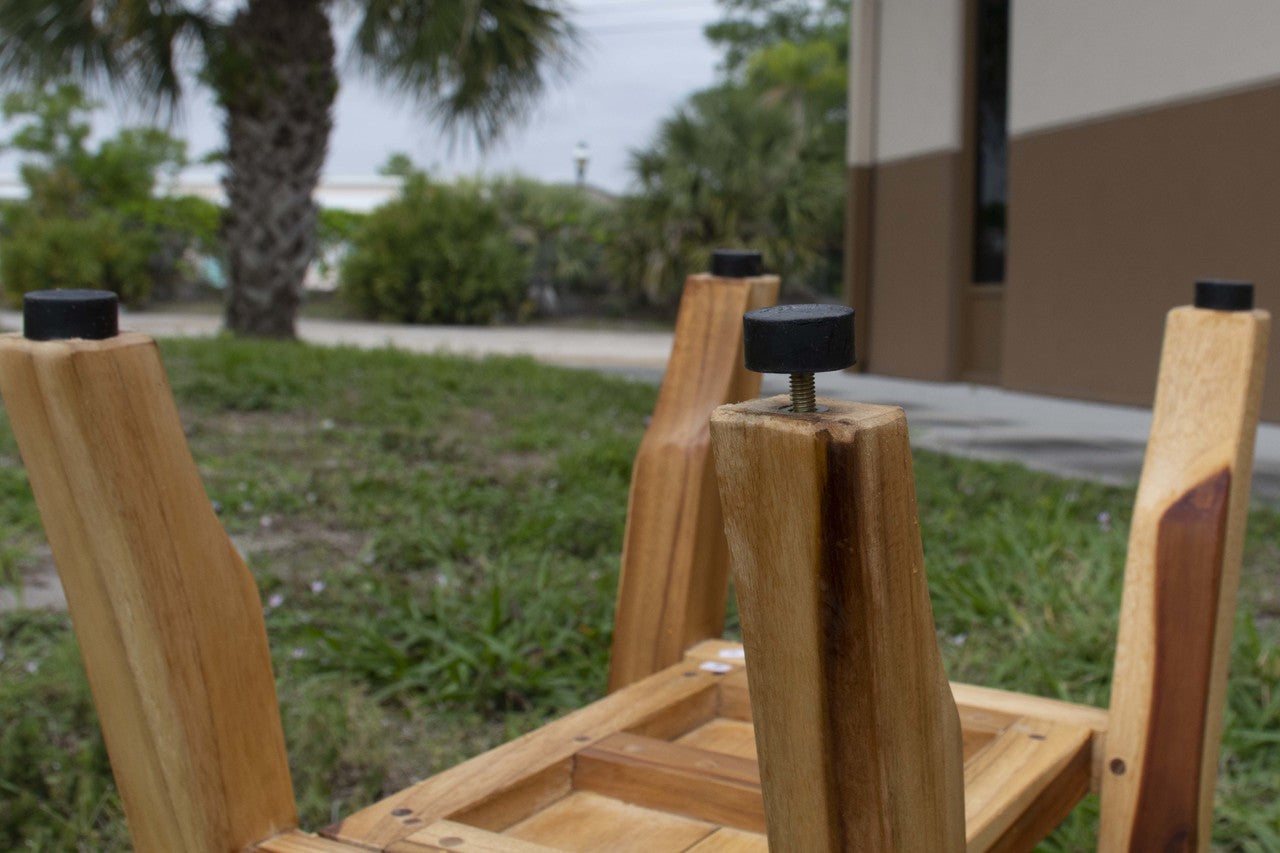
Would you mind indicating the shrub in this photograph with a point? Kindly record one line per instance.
(565, 233)
(436, 254)
(97, 251)
(91, 219)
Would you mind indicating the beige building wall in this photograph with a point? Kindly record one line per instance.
(1089, 59)
(921, 81)
(1144, 153)
(906, 132)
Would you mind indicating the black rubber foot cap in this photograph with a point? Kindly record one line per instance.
(51, 315)
(736, 263)
(1223, 295)
(798, 338)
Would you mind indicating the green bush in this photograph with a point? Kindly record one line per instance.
(437, 254)
(91, 218)
(565, 232)
(97, 251)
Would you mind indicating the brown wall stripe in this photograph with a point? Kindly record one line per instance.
(1110, 223)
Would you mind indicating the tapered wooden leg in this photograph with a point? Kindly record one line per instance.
(1183, 570)
(675, 569)
(166, 615)
(857, 733)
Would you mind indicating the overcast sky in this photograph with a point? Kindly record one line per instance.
(638, 59)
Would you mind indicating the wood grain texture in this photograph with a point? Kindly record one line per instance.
(166, 615)
(589, 823)
(1029, 776)
(727, 840)
(484, 780)
(858, 737)
(1051, 805)
(1189, 543)
(982, 709)
(735, 697)
(457, 837)
(1017, 787)
(1204, 423)
(296, 841)
(731, 737)
(674, 778)
(674, 582)
(973, 701)
(678, 717)
(720, 651)
(511, 802)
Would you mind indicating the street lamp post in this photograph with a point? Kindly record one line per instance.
(581, 155)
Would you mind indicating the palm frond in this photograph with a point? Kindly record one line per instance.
(41, 38)
(473, 64)
(132, 46)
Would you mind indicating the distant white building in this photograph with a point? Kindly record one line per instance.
(357, 193)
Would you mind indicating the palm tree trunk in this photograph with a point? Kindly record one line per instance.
(275, 80)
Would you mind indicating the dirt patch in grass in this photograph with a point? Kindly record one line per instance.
(299, 547)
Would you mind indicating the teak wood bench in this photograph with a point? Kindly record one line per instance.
(849, 738)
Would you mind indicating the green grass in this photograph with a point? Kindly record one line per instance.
(436, 541)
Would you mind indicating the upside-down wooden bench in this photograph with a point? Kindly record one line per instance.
(862, 743)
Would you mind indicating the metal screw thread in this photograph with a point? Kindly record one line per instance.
(803, 397)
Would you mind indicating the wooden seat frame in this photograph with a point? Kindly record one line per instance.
(850, 736)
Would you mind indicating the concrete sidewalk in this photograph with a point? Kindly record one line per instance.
(1066, 437)
(574, 347)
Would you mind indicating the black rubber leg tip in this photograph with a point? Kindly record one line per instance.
(736, 263)
(52, 315)
(1224, 295)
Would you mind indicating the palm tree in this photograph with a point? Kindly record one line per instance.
(474, 64)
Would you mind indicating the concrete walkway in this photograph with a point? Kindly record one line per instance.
(1066, 437)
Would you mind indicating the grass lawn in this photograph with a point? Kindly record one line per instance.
(436, 543)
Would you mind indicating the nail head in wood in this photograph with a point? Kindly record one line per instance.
(50, 315)
(1224, 295)
(736, 263)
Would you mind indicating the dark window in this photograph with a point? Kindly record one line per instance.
(991, 129)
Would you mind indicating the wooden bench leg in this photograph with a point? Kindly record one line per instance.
(858, 736)
(166, 614)
(675, 567)
(1183, 569)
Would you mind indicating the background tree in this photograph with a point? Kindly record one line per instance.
(757, 160)
(750, 25)
(475, 64)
